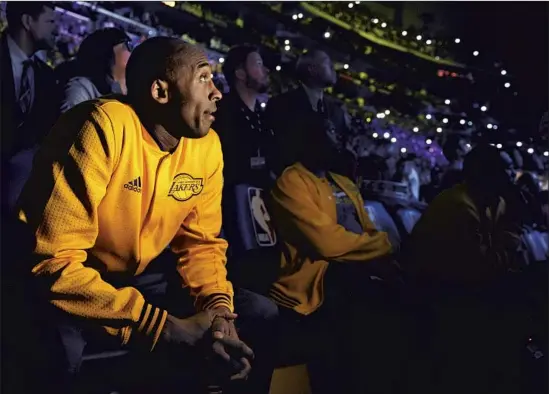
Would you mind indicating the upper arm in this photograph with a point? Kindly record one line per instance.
(74, 93)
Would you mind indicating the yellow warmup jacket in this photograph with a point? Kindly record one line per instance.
(304, 214)
(103, 197)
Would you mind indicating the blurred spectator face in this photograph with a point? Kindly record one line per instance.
(121, 55)
(42, 28)
(322, 70)
(509, 166)
(257, 75)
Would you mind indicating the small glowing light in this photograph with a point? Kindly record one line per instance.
(375, 135)
(263, 105)
(169, 3)
(437, 57)
(503, 72)
(351, 5)
(278, 68)
(489, 125)
(468, 146)
(457, 40)
(418, 37)
(495, 127)
(387, 112)
(384, 24)
(445, 120)
(428, 116)
(300, 15)
(386, 135)
(462, 121)
(530, 150)
(345, 66)
(393, 140)
(447, 102)
(357, 2)
(507, 85)
(483, 108)
(404, 33)
(286, 42)
(519, 144)
(499, 146)
(294, 17)
(221, 59)
(428, 141)
(439, 129)
(403, 150)
(287, 48)
(475, 53)
(470, 123)
(368, 120)
(416, 129)
(375, 20)
(327, 34)
(428, 42)
(546, 153)
(381, 115)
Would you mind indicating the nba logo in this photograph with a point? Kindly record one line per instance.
(263, 227)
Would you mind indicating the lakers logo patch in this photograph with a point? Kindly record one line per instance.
(185, 186)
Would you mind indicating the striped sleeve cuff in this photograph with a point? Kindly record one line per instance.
(151, 322)
(216, 301)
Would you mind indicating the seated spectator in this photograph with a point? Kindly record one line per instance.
(407, 173)
(99, 68)
(331, 249)
(454, 150)
(461, 253)
(115, 182)
(531, 192)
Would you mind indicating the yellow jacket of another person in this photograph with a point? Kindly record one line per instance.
(304, 213)
(103, 197)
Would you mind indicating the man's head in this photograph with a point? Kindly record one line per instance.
(172, 81)
(319, 141)
(316, 70)
(244, 66)
(35, 20)
(455, 148)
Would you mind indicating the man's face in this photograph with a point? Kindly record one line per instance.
(508, 167)
(42, 29)
(195, 96)
(323, 71)
(121, 56)
(257, 75)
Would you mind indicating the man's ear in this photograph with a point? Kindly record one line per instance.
(240, 74)
(159, 91)
(26, 20)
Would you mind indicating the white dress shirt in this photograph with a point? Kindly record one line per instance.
(18, 58)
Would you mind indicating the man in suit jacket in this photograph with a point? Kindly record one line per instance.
(28, 110)
(287, 112)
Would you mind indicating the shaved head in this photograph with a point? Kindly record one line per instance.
(315, 68)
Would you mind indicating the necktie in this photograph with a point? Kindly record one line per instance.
(320, 106)
(25, 91)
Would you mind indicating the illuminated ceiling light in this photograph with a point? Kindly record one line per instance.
(428, 42)
(384, 24)
(447, 102)
(416, 129)
(169, 3)
(386, 135)
(499, 146)
(278, 68)
(393, 140)
(445, 120)
(403, 150)
(263, 105)
(327, 34)
(489, 125)
(519, 144)
(546, 153)
(351, 5)
(286, 42)
(428, 116)
(507, 85)
(530, 150)
(428, 141)
(470, 123)
(418, 37)
(483, 108)
(462, 121)
(345, 66)
(294, 17)
(503, 72)
(375, 21)
(287, 48)
(375, 135)
(387, 112)
(457, 40)
(475, 53)
(439, 129)
(221, 59)
(300, 15)
(404, 33)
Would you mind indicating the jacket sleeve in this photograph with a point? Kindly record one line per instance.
(60, 207)
(302, 223)
(202, 253)
(76, 91)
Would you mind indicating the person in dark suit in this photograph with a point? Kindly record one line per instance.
(27, 87)
(286, 113)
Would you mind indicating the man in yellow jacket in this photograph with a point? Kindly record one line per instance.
(331, 249)
(116, 182)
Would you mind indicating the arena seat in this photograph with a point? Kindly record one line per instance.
(383, 222)
(408, 217)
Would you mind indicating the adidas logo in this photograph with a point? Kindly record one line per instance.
(134, 185)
